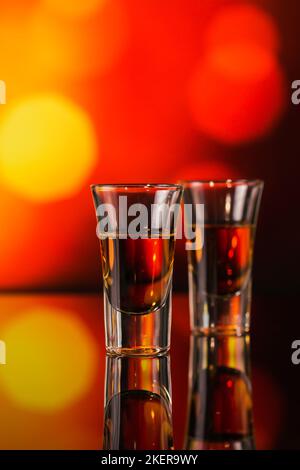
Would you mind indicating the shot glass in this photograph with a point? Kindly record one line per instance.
(138, 406)
(136, 227)
(220, 262)
(220, 411)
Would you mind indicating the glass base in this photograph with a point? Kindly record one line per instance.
(221, 330)
(130, 334)
(142, 352)
(226, 315)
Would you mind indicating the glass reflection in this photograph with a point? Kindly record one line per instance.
(138, 408)
(220, 394)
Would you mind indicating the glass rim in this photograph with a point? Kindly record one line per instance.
(228, 182)
(124, 186)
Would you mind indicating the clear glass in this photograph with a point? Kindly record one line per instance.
(137, 253)
(220, 414)
(220, 268)
(138, 407)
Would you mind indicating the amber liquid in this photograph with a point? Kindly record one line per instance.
(221, 414)
(137, 273)
(223, 265)
(138, 420)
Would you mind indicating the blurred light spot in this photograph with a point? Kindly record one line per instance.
(243, 23)
(51, 359)
(74, 7)
(242, 61)
(16, 66)
(62, 49)
(228, 204)
(229, 383)
(38, 46)
(47, 148)
(237, 93)
(234, 242)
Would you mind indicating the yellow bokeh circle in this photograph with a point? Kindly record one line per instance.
(51, 359)
(48, 148)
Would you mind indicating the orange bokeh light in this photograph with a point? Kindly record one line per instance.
(236, 94)
(61, 47)
(38, 46)
(75, 8)
(242, 23)
(47, 148)
(52, 359)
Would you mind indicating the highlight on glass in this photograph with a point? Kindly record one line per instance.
(138, 406)
(136, 227)
(220, 268)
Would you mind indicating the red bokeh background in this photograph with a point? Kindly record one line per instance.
(172, 90)
(106, 91)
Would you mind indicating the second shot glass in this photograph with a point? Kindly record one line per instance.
(220, 265)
